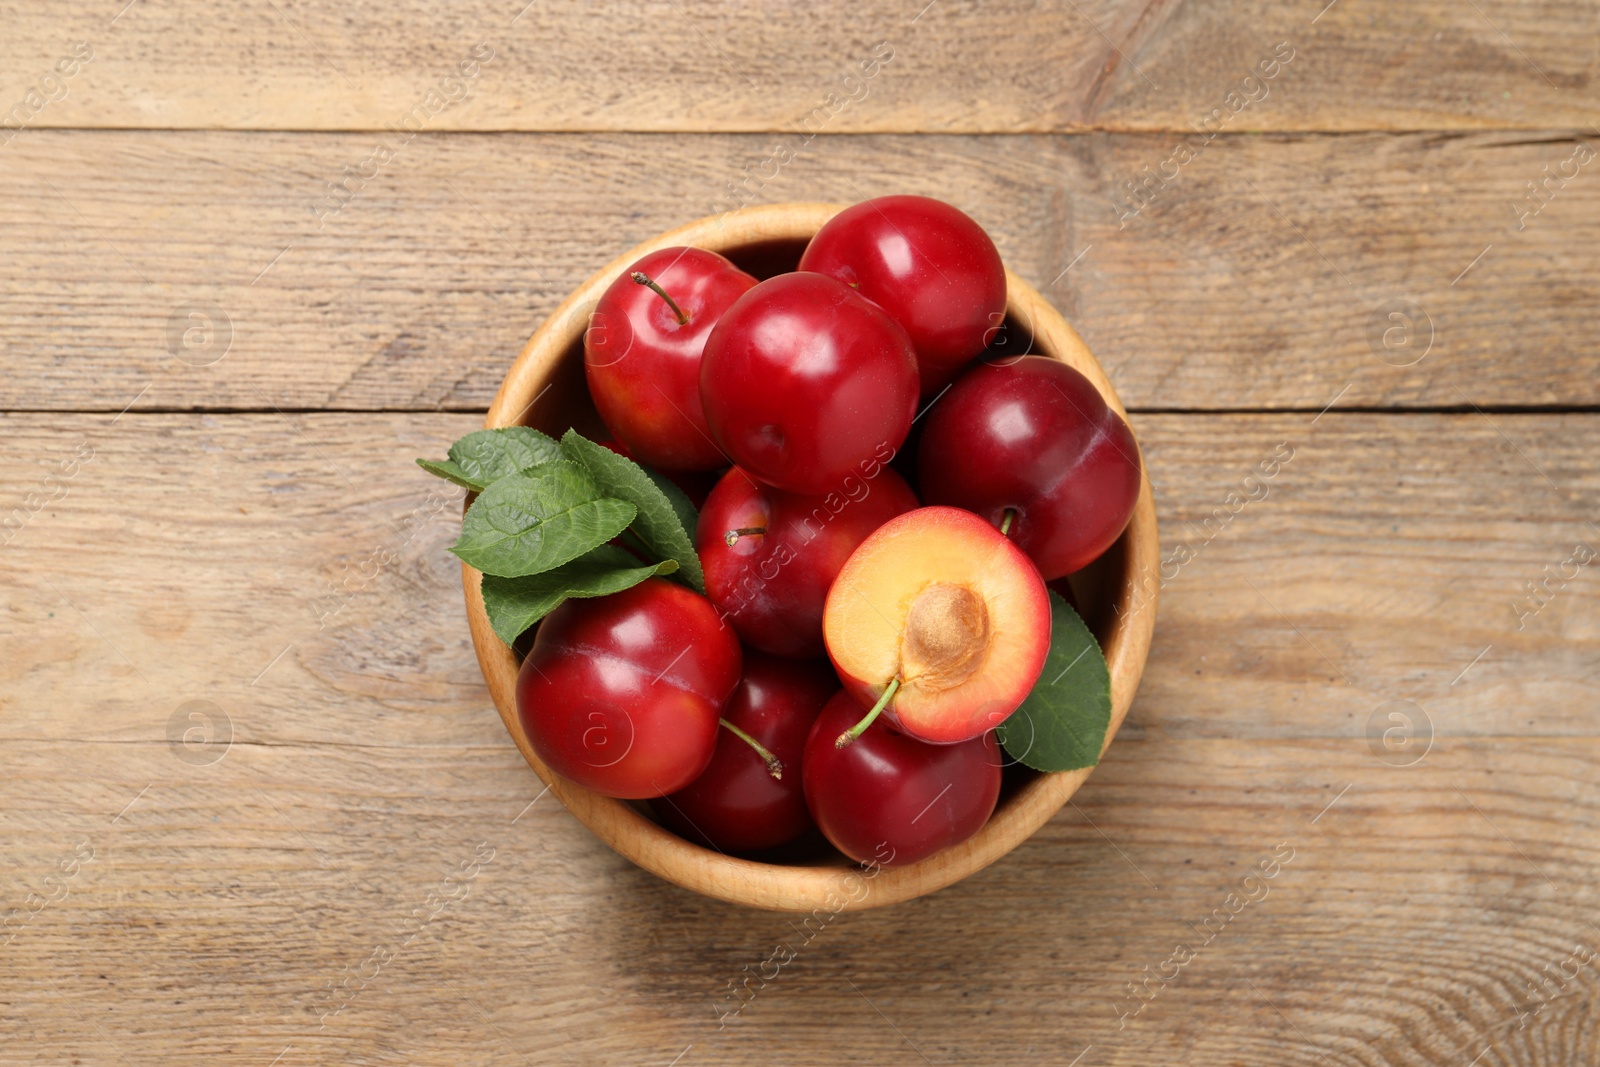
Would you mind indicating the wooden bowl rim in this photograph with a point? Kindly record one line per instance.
(832, 887)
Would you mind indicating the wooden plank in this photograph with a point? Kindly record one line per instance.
(256, 782)
(951, 66)
(1377, 563)
(277, 904)
(1244, 282)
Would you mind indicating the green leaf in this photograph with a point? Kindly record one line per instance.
(682, 506)
(535, 520)
(1062, 724)
(450, 472)
(659, 523)
(514, 604)
(483, 457)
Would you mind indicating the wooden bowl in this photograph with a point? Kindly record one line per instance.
(545, 389)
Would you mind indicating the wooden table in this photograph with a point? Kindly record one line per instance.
(245, 739)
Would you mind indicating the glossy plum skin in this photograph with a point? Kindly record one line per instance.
(1035, 435)
(621, 694)
(772, 586)
(736, 805)
(929, 265)
(803, 379)
(643, 367)
(892, 798)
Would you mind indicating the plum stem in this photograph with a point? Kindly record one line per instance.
(731, 538)
(1006, 520)
(645, 279)
(774, 764)
(877, 709)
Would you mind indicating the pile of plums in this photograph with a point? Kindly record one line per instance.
(929, 599)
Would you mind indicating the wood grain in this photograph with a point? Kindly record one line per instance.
(1247, 282)
(1385, 555)
(220, 908)
(238, 702)
(967, 66)
(232, 904)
